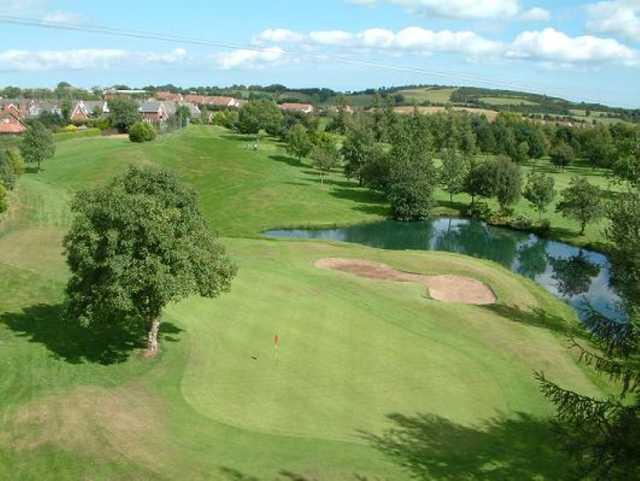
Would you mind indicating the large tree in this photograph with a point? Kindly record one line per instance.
(453, 172)
(481, 181)
(413, 177)
(123, 113)
(357, 149)
(562, 154)
(539, 191)
(298, 142)
(582, 202)
(37, 144)
(508, 182)
(137, 244)
(325, 155)
(259, 115)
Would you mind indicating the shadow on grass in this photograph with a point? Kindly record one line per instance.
(536, 317)
(436, 449)
(283, 475)
(70, 341)
(285, 159)
(368, 201)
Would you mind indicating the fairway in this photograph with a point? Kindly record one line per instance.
(356, 356)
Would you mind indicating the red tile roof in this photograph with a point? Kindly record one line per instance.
(297, 107)
(10, 124)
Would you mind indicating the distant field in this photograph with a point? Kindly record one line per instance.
(489, 114)
(435, 95)
(506, 101)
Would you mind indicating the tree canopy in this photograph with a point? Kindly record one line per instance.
(137, 244)
(37, 144)
(581, 201)
(124, 113)
(539, 191)
(259, 115)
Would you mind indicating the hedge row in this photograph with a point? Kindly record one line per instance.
(76, 134)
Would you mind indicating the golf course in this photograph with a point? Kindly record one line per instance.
(303, 371)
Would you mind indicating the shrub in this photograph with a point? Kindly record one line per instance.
(16, 161)
(4, 203)
(478, 210)
(70, 128)
(521, 222)
(141, 132)
(7, 175)
(544, 229)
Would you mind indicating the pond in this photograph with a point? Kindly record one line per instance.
(573, 274)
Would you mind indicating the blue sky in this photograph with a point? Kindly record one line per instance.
(581, 50)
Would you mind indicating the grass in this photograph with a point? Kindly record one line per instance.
(371, 379)
(506, 101)
(434, 95)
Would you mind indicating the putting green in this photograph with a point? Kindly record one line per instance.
(354, 350)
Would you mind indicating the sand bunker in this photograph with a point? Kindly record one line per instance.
(449, 288)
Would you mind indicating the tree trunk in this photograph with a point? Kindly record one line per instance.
(583, 226)
(152, 337)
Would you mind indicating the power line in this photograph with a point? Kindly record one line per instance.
(318, 58)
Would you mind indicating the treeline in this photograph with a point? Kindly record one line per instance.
(407, 158)
(63, 91)
(542, 104)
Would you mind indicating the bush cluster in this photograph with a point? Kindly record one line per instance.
(141, 132)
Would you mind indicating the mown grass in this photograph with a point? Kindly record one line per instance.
(356, 359)
(435, 95)
(506, 101)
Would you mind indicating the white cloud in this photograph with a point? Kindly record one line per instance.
(548, 46)
(21, 6)
(366, 3)
(536, 14)
(279, 35)
(82, 59)
(463, 8)
(553, 46)
(377, 37)
(465, 42)
(415, 39)
(617, 17)
(466, 9)
(331, 37)
(64, 17)
(246, 58)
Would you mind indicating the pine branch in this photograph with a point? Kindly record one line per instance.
(626, 372)
(575, 408)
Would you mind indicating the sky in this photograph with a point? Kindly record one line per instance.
(580, 50)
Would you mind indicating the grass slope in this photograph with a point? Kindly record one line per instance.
(357, 356)
(435, 95)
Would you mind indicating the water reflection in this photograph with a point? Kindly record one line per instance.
(573, 274)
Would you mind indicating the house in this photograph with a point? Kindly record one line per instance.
(85, 109)
(168, 96)
(154, 112)
(16, 107)
(36, 107)
(214, 101)
(295, 107)
(10, 124)
(194, 110)
(195, 99)
(110, 94)
(224, 102)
